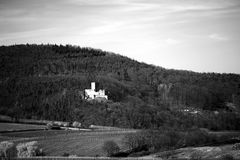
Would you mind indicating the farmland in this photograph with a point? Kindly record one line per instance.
(58, 142)
(89, 143)
(81, 144)
(18, 127)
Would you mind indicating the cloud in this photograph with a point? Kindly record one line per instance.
(105, 28)
(28, 34)
(171, 41)
(179, 8)
(217, 37)
(97, 2)
(129, 27)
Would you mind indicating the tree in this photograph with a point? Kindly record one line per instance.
(6, 150)
(135, 140)
(29, 149)
(110, 147)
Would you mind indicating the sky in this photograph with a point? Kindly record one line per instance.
(197, 35)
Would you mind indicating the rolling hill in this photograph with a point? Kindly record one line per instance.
(47, 82)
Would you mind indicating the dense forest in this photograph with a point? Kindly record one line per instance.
(47, 82)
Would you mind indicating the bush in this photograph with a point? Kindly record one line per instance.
(135, 140)
(197, 155)
(166, 154)
(197, 137)
(52, 125)
(236, 146)
(66, 124)
(65, 154)
(139, 154)
(72, 156)
(153, 140)
(163, 139)
(6, 150)
(29, 149)
(227, 157)
(111, 147)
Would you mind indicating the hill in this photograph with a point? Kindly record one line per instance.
(47, 82)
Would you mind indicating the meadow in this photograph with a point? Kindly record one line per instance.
(59, 142)
(19, 127)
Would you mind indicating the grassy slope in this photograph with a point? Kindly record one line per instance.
(207, 152)
(57, 142)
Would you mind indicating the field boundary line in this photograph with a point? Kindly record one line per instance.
(87, 158)
(22, 130)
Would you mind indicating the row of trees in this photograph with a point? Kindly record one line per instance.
(146, 142)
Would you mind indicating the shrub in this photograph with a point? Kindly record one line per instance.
(227, 157)
(40, 152)
(49, 125)
(139, 154)
(135, 140)
(111, 147)
(6, 150)
(29, 149)
(72, 156)
(65, 154)
(236, 146)
(163, 139)
(197, 155)
(196, 137)
(166, 154)
(52, 125)
(152, 140)
(66, 124)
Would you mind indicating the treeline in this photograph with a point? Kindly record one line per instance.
(47, 82)
(165, 141)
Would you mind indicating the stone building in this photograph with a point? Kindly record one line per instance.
(91, 94)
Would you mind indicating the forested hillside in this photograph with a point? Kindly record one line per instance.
(47, 82)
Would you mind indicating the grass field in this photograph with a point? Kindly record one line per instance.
(18, 127)
(58, 142)
(80, 143)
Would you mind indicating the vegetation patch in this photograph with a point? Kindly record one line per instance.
(236, 146)
(29, 149)
(7, 150)
(48, 81)
(111, 148)
(19, 127)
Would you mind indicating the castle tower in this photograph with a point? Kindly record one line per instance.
(93, 87)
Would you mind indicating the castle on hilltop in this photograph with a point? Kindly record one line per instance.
(91, 94)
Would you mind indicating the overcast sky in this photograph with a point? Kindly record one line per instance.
(198, 35)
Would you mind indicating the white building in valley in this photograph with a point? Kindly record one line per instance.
(91, 94)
